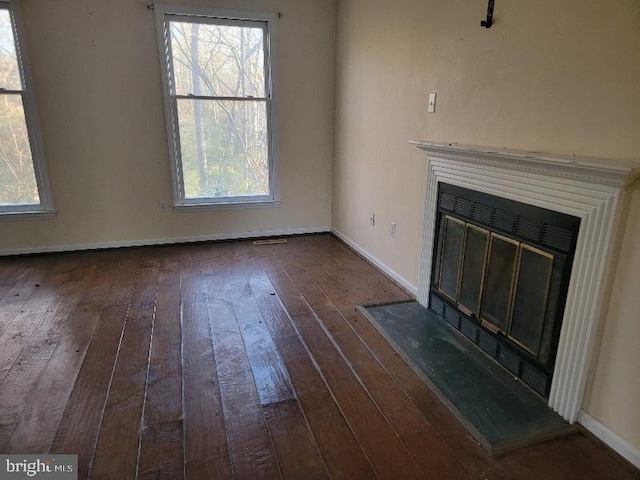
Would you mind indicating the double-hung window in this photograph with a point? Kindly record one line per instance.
(23, 181)
(219, 99)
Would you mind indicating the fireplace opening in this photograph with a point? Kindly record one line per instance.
(501, 276)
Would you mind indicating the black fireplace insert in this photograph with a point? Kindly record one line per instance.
(501, 274)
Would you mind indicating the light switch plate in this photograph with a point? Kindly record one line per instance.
(431, 106)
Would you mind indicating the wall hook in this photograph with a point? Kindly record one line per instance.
(489, 21)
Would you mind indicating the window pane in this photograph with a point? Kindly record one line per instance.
(224, 148)
(9, 71)
(218, 60)
(17, 177)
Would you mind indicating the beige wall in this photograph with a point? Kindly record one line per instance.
(556, 77)
(97, 78)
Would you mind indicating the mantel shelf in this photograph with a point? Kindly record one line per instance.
(595, 170)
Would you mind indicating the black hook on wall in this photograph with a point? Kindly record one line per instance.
(489, 21)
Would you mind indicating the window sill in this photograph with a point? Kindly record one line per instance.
(190, 207)
(27, 215)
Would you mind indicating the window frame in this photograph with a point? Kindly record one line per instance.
(45, 207)
(164, 13)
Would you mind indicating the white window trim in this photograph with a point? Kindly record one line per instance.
(45, 208)
(181, 203)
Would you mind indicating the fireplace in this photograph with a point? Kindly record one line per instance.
(589, 190)
(501, 274)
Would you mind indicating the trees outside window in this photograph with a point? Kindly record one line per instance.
(23, 182)
(219, 98)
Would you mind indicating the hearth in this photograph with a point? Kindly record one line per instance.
(501, 274)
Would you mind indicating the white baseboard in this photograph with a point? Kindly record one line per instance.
(163, 241)
(624, 448)
(402, 281)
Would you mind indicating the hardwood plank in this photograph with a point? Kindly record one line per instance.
(205, 438)
(20, 381)
(603, 458)
(250, 447)
(340, 449)
(78, 430)
(391, 459)
(275, 316)
(269, 373)
(207, 469)
(575, 457)
(41, 417)
(297, 451)
(122, 292)
(21, 291)
(162, 452)
(341, 452)
(16, 335)
(116, 451)
(162, 440)
(289, 295)
(364, 416)
(11, 268)
(363, 282)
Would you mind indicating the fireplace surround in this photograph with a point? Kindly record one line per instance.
(589, 189)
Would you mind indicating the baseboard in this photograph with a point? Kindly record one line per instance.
(164, 241)
(388, 271)
(622, 447)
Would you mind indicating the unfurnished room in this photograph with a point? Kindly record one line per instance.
(320, 239)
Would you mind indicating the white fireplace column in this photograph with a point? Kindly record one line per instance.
(590, 189)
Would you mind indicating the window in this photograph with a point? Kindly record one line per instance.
(23, 180)
(220, 104)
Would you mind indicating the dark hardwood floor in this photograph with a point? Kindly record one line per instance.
(231, 360)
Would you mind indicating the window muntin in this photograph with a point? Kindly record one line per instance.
(220, 105)
(23, 183)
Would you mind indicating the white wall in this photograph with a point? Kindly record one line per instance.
(555, 77)
(97, 79)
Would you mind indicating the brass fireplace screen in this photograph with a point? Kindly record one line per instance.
(503, 282)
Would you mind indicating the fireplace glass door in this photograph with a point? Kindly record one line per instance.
(502, 282)
(530, 298)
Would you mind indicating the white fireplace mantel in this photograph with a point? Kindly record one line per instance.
(587, 188)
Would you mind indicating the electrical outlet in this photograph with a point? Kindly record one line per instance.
(393, 229)
(372, 219)
(163, 206)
